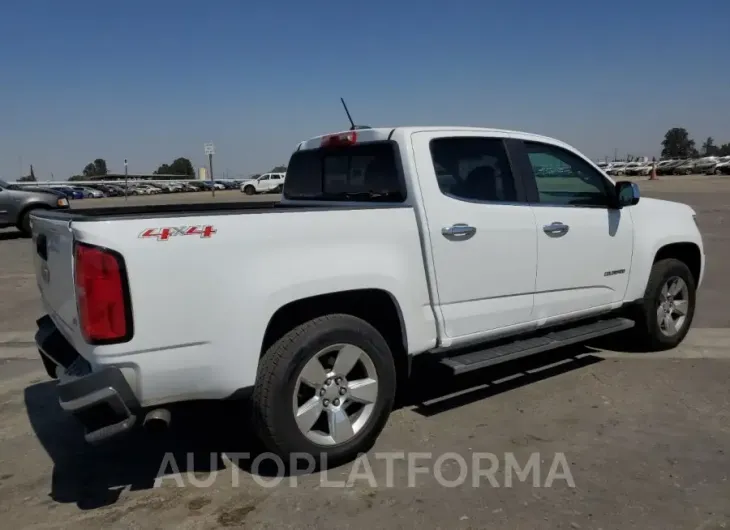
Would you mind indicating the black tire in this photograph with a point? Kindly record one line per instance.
(249, 190)
(24, 222)
(647, 330)
(279, 369)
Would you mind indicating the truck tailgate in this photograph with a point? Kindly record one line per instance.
(53, 260)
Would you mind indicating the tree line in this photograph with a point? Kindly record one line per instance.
(180, 166)
(678, 143)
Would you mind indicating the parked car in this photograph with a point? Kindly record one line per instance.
(402, 264)
(18, 203)
(706, 163)
(716, 169)
(616, 169)
(145, 189)
(266, 183)
(70, 192)
(668, 168)
(632, 168)
(89, 193)
(687, 167)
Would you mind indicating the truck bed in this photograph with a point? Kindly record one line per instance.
(145, 211)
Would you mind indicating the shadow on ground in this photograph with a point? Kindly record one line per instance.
(10, 235)
(202, 433)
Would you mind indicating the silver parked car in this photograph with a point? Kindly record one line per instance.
(18, 202)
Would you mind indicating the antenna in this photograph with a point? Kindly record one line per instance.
(352, 123)
(353, 127)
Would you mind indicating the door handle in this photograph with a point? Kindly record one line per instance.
(458, 231)
(556, 229)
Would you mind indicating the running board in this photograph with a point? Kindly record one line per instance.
(551, 340)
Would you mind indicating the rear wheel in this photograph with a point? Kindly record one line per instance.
(668, 308)
(325, 389)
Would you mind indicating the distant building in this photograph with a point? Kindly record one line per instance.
(202, 173)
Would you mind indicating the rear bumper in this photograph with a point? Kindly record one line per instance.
(101, 400)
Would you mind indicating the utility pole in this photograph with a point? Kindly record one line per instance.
(210, 151)
(126, 180)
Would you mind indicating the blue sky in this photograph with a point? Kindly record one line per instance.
(153, 80)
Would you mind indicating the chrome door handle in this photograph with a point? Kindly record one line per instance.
(556, 229)
(458, 231)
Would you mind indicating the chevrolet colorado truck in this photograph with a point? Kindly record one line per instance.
(466, 246)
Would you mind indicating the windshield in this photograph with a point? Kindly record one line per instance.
(363, 172)
(9, 186)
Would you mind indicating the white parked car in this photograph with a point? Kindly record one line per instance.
(465, 247)
(616, 168)
(146, 189)
(266, 183)
(705, 163)
(719, 166)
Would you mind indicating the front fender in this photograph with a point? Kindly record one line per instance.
(658, 223)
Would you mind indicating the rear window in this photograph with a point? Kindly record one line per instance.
(364, 172)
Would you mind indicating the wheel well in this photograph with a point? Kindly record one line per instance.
(688, 253)
(26, 209)
(375, 306)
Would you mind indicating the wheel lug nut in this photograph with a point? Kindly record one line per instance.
(336, 402)
(343, 390)
(321, 392)
(328, 382)
(338, 380)
(326, 402)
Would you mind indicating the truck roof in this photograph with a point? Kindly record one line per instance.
(380, 134)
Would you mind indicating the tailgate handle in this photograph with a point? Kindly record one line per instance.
(41, 246)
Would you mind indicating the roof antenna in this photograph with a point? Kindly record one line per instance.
(353, 127)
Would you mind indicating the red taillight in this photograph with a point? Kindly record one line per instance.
(102, 295)
(347, 138)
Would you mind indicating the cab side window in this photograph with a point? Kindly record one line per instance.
(473, 169)
(565, 179)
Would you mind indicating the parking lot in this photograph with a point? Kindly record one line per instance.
(645, 437)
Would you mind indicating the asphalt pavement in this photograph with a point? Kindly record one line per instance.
(588, 437)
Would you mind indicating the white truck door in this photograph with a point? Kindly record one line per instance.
(584, 245)
(483, 236)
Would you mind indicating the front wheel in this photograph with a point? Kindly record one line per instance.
(249, 190)
(668, 308)
(24, 223)
(324, 390)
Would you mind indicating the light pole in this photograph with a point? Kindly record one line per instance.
(126, 180)
(210, 151)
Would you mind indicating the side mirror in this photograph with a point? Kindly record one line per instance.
(627, 193)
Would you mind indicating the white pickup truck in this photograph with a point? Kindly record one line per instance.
(466, 246)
